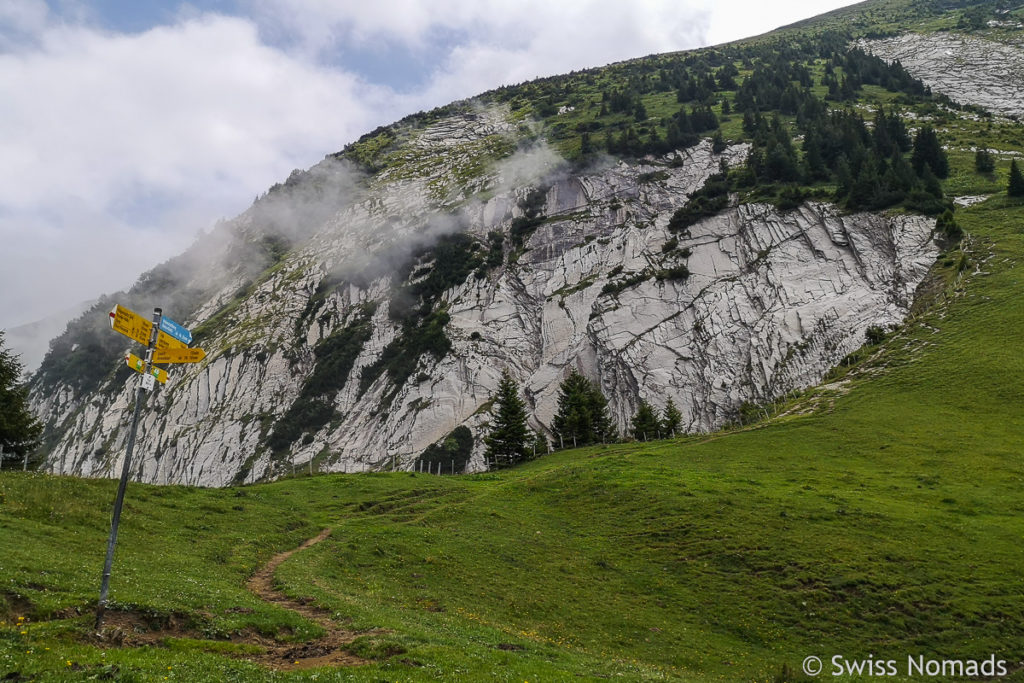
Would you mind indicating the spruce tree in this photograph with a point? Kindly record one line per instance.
(1015, 185)
(540, 444)
(984, 162)
(718, 143)
(880, 134)
(948, 226)
(602, 429)
(582, 416)
(646, 425)
(19, 428)
(928, 151)
(509, 440)
(572, 422)
(671, 419)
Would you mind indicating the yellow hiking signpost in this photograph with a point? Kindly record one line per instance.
(185, 355)
(139, 365)
(166, 342)
(131, 324)
(134, 326)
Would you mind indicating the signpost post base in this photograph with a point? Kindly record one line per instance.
(118, 503)
(126, 468)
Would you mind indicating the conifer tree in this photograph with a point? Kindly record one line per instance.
(671, 419)
(1015, 185)
(645, 423)
(509, 440)
(718, 144)
(582, 416)
(984, 162)
(603, 431)
(540, 444)
(572, 423)
(814, 164)
(640, 112)
(880, 134)
(19, 428)
(928, 151)
(931, 183)
(948, 226)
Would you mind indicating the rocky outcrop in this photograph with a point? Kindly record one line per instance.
(968, 69)
(742, 307)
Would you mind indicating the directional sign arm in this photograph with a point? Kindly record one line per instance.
(131, 324)
(175, 330)
(139, 365)
(178, 355)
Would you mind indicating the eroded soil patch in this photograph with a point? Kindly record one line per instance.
(135, 628)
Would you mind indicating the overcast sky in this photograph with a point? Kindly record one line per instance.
(126, 126)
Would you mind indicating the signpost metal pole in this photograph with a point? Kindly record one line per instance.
(119, 500)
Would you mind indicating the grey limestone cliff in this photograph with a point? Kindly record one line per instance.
(969, 69)
(772, 300)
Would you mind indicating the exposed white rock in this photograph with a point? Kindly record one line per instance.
(969, 69)
(773, 301)
(968, 200)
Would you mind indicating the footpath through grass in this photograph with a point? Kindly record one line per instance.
(886, 523)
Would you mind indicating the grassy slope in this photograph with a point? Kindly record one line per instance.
(888, 523)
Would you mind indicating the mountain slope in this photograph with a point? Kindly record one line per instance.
(881, 519)
(873, 517)
(391, 284)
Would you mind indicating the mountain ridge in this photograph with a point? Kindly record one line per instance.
(420, 180)
(871, 520)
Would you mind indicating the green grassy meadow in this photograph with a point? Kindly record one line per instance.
(882, 515)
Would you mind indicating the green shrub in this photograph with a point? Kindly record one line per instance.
(314, 406)
(453, 451)
(626, 283)
(400, 357)
(677, 272)
(875, 335)
(703, 203)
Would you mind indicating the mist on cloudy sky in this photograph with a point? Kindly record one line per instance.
(127, 127)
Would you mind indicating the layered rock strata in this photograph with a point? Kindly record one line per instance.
(772, 300)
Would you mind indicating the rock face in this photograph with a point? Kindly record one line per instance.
(772, 300)
(968, 69)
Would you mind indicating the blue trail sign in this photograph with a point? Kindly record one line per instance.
(175, 330)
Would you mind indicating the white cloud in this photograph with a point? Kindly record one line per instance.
(736, 19)
(128, 144)
(20, 20)
(492, 42)
(510, 23)
(112, 140)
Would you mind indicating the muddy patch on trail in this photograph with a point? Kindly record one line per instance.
(14, 605)
(330, 650)
(137, 629)
(132, 628)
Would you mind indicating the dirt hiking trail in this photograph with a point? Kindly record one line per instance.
(130, 628)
